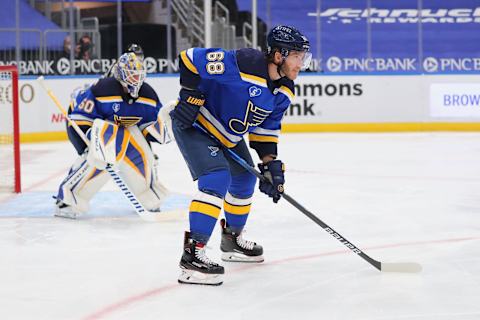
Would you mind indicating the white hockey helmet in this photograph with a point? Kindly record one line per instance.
(130, 72)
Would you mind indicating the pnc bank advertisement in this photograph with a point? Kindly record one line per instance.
(385, 36)
(346, 37)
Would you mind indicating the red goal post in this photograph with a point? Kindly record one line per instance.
(9, 130)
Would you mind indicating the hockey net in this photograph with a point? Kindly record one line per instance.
(9, 131)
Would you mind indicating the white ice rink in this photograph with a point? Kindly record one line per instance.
(399, 197)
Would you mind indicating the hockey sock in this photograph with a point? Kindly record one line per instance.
(238, 201)
(206, 206)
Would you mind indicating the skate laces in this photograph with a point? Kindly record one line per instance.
(200, 255)
(245, 244)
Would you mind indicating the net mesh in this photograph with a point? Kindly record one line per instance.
(7, 157)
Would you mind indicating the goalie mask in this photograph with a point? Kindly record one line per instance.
(135, 48)
(130, 72)
(286, 39)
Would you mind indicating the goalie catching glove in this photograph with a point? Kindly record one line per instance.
(272, 185)
(188, 107)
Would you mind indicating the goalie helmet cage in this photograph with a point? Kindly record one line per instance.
(9, 130)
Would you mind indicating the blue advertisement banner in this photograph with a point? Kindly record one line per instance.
(386, 36)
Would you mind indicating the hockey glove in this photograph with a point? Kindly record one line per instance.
(188, 107)
(273, 184)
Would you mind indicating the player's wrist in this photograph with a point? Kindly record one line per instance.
(267, 158)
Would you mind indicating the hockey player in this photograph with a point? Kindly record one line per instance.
(119, 115)
(230, 94)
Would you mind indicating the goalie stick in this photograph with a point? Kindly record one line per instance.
(139, 208)
(403, 267)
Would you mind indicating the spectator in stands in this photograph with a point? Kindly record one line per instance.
(84, 47)
(67, 43)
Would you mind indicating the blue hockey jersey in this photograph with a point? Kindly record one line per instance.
(107, 100)
(240, 97)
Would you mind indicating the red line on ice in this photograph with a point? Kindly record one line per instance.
(106, 311)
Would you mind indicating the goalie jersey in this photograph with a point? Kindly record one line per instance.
(240, 97)
(107, 100)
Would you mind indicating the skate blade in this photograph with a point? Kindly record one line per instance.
(195, 277)
(68, 215)
(238, 257)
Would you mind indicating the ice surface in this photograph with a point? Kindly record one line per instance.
(399, 197)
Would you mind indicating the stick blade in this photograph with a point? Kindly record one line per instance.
(402, 267)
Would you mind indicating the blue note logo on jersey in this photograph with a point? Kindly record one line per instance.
(116, 107)
(254, 91)
(253, 117)
(213, 151)
(126, 121)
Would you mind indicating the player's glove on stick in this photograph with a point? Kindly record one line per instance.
(188, 107)
(273, 171)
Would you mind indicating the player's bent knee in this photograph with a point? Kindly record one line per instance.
(243, 185)
(215, 182)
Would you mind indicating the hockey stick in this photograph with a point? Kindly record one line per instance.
(139, 209)
(404, 267)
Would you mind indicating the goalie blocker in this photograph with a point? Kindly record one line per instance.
(128, 152)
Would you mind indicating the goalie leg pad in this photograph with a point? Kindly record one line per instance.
(76, 190)
(138, 170)
(108, 143)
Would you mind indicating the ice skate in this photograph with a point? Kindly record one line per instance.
(237, 249)
(63, 210)
(196, 267)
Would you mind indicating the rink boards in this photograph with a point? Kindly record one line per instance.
(333, 103)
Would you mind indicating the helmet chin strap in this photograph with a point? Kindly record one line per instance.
(279, 69)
